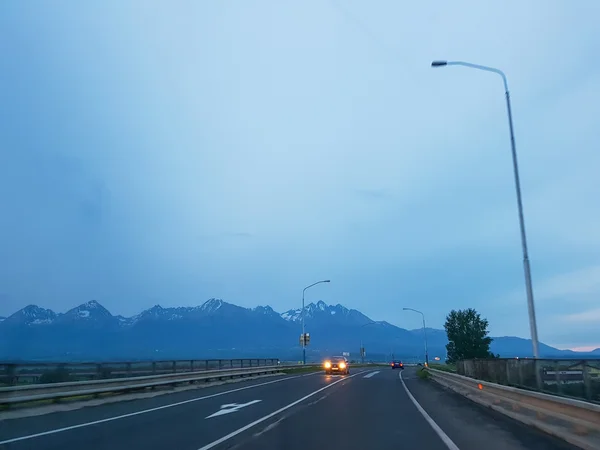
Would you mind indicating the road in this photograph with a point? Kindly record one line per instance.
(369, 409)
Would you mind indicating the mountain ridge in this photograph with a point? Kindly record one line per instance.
(217, 328)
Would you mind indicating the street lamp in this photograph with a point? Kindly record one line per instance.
(361, 340)
(424, 331)
(303, 332)
(526, 267)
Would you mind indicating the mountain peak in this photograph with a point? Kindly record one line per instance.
(91, 310)
(92, 304)
(212, 305)
(32, 315)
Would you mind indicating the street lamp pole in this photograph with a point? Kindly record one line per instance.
(526, 266)
(303, 329)
(424, 331)
(362, 356)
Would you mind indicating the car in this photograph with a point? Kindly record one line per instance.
(397, 365)
(336, 364)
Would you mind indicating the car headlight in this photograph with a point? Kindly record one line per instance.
(342, 365)
(327, 364)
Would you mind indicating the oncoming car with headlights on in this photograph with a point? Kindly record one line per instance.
(336, 364)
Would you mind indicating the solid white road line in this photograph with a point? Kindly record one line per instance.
(369, 375)
(443, 436)
(274, 413)
(144, 411)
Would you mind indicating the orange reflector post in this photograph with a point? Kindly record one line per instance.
(480, 386)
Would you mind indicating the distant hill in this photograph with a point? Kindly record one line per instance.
(217, 329)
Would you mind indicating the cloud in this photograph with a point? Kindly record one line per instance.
(576, 287)
(592, 316)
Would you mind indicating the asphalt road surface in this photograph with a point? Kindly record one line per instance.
(369, 409)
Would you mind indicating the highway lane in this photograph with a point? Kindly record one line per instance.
(72, 414)
(370, 409)
(168, 421)
(375, 412)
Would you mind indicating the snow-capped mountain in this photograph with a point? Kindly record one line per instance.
(266, 311)
(31, 315)
(157, 312)
(212, 305)
(90, 312)
(323, 311)
(214, 329)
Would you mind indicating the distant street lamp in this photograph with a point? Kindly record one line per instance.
(303, 330)
(362, 356)
(424, 331)
(526, 267)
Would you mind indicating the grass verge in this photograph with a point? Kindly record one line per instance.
(444, 367)
(423, 374)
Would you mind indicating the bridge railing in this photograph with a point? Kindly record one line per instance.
(81, 390)
(22, 373)
(574, 378)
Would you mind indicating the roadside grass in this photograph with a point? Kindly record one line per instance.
(444, 367)
(423, 374)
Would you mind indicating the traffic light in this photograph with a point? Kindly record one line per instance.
(304, 339)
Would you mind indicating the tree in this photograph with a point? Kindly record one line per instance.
(467, 336)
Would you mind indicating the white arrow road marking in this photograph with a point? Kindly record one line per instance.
(369, 375)
(231, 408)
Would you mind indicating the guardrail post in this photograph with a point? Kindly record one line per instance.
(587, 384)
(557, 376)
(538, 375)
(128, 369)
(220, 364)
(191, 365)
(153, 367)
(521, 373)
(174, 364)
(11, 374)
(206, 364)
(98, 371)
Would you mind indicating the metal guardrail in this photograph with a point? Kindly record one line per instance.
(575, 421)
(15, 373)
(55, 391)
(575, 378)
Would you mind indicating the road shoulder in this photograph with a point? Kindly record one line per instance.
(472, 426)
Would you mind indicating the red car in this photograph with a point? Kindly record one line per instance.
(397, 365)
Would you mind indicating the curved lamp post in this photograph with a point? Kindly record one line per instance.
(526, 266)
(424, 331)
(303, 330)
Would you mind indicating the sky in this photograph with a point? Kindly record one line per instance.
(173, 151)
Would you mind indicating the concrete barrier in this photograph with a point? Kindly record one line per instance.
(575, 421)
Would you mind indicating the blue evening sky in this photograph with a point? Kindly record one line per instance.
(172, 151)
